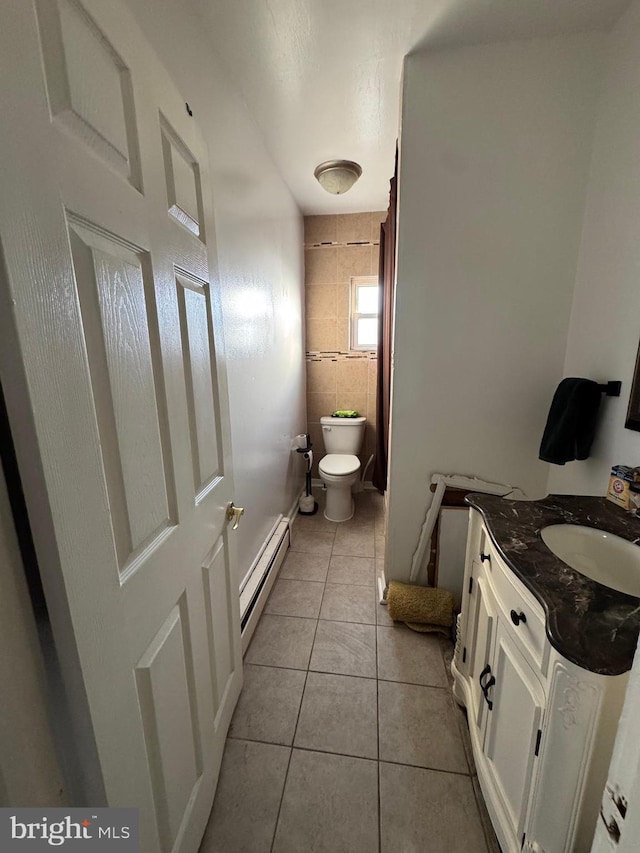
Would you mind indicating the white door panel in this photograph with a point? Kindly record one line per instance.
(117, 394)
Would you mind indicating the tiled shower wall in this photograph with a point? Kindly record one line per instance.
(336, 248)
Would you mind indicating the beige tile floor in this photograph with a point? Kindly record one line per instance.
(346, 738)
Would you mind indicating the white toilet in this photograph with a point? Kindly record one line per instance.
(339, 469)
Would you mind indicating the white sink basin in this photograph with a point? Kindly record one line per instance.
(601, 556)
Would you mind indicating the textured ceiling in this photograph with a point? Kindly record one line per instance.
(322, 77)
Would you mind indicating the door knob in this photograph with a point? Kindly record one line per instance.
(234, 512)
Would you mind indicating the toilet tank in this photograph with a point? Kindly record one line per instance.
(342, 435)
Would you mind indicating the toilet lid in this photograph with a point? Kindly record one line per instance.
(339, 463)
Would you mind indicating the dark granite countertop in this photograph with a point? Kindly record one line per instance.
(589, 624)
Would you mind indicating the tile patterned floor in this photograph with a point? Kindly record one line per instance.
(346, 738)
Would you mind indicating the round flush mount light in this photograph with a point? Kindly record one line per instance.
(337, 176)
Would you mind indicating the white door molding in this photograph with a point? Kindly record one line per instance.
(29, 771)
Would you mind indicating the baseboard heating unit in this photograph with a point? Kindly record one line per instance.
(261, 578)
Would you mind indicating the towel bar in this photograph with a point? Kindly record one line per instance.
(611, 389)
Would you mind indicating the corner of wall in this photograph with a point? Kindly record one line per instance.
(491, 205)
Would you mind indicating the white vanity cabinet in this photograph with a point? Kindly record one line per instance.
(542, 728)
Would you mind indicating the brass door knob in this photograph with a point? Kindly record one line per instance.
(234, 512)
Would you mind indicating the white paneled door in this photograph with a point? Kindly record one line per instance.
(116, 390)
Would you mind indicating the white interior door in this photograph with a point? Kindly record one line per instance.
(115, 385)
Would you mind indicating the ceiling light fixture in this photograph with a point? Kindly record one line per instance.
(337, 176)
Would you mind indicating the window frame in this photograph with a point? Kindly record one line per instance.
(355, 282)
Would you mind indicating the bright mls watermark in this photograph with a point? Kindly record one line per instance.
(102, 830)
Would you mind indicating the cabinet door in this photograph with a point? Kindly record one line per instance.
(474, 533)
(512, 727)
(480, 628)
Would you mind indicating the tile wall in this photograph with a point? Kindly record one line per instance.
(338, 247)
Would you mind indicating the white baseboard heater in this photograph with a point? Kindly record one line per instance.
(262, 577)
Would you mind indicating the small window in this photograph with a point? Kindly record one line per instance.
(364, 313)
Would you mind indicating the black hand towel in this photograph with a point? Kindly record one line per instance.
(572, 421)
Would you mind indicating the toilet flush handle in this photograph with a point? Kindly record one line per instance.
(326, 428)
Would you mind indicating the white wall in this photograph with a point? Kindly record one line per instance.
(495, 149)
(603, 339)
(259, 237)
(605, 320)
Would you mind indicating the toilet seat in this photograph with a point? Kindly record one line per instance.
(339, 464)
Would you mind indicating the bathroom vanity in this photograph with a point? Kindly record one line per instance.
(541, 665)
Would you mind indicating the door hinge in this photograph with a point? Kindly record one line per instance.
(538, 739)
(470, 585)
(464, 654)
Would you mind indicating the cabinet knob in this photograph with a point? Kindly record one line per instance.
(517, 618)
(484, 557)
